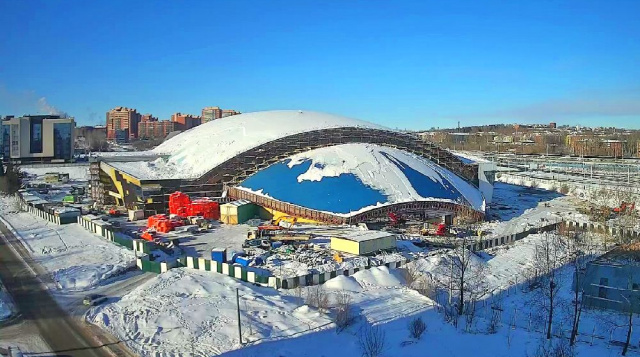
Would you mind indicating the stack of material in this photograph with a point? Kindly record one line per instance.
(162, 224)
(180, 204)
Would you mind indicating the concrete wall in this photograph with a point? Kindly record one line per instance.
(610, 285)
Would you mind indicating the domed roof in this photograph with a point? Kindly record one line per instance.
(196, 151)
(351, 178)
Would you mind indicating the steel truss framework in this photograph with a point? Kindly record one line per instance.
(233, 171)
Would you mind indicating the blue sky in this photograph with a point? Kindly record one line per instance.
(403, 64)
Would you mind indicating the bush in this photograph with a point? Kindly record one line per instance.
(318, 298)
(372, 340)
(344, 315)
(416, 328)
(564, 189)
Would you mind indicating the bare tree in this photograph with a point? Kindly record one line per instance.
(466, 278)
(318, 298)
(549, 256)
(371, 341)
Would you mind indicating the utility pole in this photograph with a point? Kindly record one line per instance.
(238, 306)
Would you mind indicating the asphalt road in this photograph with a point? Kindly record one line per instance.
(34, 303)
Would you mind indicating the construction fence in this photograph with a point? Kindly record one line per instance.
(248, 274)
(48, 214)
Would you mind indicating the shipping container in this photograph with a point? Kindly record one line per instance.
(238, 212)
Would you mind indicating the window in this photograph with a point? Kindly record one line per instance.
(635, 286)
(62, 141)
(35, 142)
(602, 292)
(604, 281)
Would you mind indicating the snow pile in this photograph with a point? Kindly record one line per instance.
(379, 276)
(343, 283)
(188, 310)
(352, 178)
(77, 259)
(198, 150)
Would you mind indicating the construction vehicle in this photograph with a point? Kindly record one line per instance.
(440, 231)
(396, 219)
(114, 212)
(625, 207)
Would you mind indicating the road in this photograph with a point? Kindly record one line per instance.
(61, 332)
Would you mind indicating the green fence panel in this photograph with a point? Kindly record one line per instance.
(123, 240)
(243, 275)
(207, 265)
(153, 267)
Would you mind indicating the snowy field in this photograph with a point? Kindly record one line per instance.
(190, 312)
(76, 258)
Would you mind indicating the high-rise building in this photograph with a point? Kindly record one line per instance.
(122, 118)
(185, 121)
(156, 129)
(147, 117)
(213, 113)
(229, 112)
(37, 138)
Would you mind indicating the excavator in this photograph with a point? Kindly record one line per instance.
(275, 226)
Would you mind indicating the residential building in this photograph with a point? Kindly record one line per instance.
(229, 112)
(147, 117)
(553, 125)
(213, 113)
(37, 138)
(185, 121)
(156, 129)
(122, 118)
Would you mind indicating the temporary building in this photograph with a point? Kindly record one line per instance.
(363, 242)
(237, 212)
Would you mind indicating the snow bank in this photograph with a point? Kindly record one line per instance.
(342, 282)
(379, 276)
(77, 259)
(198, 150)
(188, 310)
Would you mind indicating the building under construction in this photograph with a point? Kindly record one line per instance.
(218, 159)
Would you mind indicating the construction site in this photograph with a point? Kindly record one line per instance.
(323, 193)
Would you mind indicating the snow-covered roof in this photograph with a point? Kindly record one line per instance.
(238, 203)
(196, 151)
(351, 178)
(362, 236)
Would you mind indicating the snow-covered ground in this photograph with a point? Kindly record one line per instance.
(76, 258)
(186, 311)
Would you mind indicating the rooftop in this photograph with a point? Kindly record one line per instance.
(363, 236)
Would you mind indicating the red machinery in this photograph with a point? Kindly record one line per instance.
(396, 219)
(440, 231)
(180, 204)
(625, 207)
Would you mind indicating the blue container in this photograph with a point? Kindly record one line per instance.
(219, 255)
(244, 261)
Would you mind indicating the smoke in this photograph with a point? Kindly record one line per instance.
(19, 102)
(45, 107)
